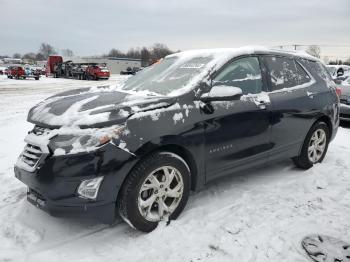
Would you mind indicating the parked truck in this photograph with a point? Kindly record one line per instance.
(56, 67)
(18, 72)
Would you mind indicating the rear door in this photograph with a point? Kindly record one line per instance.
(237, 132)
(293, 104)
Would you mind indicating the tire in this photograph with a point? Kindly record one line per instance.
(306, 161)
(130, 198)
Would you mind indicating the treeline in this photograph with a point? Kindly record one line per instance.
(339, 62)
(147, 55)
(44, 51)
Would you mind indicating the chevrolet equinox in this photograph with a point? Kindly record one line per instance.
(137, 149)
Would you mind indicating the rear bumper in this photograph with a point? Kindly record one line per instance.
(53, 187)
(103, 76)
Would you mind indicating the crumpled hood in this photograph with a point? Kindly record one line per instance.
(92, 108)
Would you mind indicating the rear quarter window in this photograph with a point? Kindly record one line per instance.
(282, 71)
(317, 68)
(303, 76)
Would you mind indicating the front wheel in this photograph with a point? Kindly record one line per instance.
(156, 189)
(315, 146)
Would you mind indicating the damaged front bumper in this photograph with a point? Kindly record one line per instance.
(53, 184)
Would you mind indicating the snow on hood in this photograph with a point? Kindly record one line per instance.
(92, 107)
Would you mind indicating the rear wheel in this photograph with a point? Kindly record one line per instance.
(315, 146)
(157, 189)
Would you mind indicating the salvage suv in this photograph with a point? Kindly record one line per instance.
(139, 148)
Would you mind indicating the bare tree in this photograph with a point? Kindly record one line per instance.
(29, 56)
(39, 57)
(16, 55)
(314, 50)
(46, 50)
(159, 51)
(348, 61)
(145, 56)
(326, 59)
(115, 53)
(67, 53)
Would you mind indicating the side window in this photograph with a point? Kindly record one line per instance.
(283, 72)
(243, 73)
(303, 77)
(322, 71)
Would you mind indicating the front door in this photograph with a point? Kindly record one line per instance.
(237, 132)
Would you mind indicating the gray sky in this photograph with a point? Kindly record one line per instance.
(94, 27)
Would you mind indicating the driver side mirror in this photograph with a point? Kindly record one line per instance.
(222, 93)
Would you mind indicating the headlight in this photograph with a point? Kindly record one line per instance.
(83, 141)
(89, 188)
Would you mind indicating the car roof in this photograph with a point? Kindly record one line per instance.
(246, 50)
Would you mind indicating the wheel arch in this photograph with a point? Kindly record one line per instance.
(327, 120)
(170, 146)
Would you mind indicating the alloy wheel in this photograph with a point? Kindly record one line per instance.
(317, 145)
(160, 193)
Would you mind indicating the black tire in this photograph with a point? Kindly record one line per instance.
(127, 201)
(302, 161)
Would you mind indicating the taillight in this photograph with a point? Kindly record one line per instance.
(338, 91)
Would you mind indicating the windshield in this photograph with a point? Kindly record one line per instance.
(171, 74)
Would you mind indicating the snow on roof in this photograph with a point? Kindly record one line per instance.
(246, 50)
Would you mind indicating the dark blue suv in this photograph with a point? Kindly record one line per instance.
(137, 149)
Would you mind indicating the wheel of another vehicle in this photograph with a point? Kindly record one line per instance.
(156, 189)
(315, 146)
(36, 78)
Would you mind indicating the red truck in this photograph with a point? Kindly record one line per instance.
(96, 72)
(16, 72)
(52, 61)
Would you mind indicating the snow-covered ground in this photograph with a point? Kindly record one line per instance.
(258, 215)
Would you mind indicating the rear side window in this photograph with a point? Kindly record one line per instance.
(243, 73)
(322, 71)
(283, 72)
(303, 77)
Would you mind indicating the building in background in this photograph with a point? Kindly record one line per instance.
(9, 60)
(114, 64)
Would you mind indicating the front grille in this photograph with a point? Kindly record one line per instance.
(31, 155)
(35, 151)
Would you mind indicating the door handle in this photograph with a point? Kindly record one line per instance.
(262, 105)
